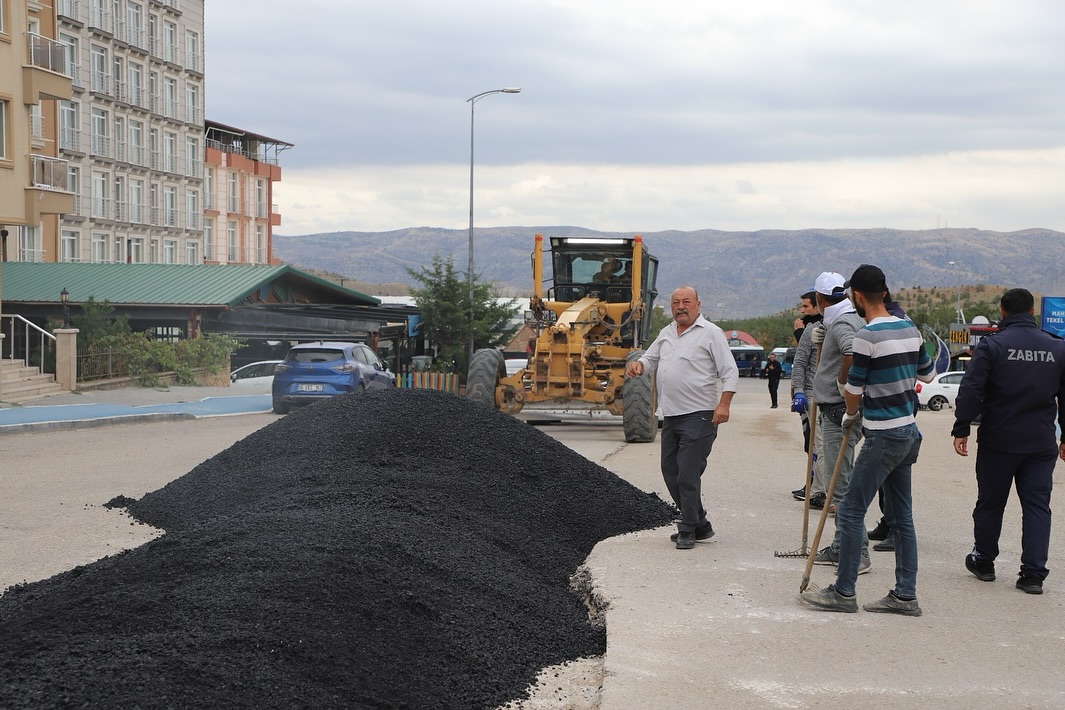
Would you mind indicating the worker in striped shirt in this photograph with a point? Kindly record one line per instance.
(888, 355)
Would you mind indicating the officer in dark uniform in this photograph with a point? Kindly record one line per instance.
(1015, 384)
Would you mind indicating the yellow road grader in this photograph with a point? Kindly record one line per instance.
(590, 322)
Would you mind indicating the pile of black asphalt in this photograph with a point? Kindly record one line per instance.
(401, 549)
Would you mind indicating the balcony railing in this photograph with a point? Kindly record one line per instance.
(170, 218)
(49, 172)
(36, 126)
(46, 53)
(101, 82)
(70, 139)
(101, 207)
(101, 145)
(100, 19)
(136, 213)
(135, 154)
(235, 149)
(121, 211)
(192, 220)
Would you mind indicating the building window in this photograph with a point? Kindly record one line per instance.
(208, 189)
(260, 244)
(69, 128)
(120, 250)
(192, 253)
(193, 157)
(192, 104)
(101, 195)
(100, 253)
(154, 248)
(3, 129)
(192, 51)
(136, 250)
(170, 103)
(208, 239)
(170, 211)
(136, 201)
(69, 246)
(193, 213)
(169, 251)
(234, 195)
(74, 185)
(101, 138)
(231, 241)
(29, 244)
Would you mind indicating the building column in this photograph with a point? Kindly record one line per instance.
(66, 358)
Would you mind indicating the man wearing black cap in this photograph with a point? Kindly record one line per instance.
(888, 356)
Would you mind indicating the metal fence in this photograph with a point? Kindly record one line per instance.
(101, 363)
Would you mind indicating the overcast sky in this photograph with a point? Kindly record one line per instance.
(646, 116)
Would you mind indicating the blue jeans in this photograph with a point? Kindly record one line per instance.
(885, 461)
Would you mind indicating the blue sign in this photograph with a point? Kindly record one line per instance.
(1052, 315)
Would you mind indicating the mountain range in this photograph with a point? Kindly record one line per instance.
(737, 274)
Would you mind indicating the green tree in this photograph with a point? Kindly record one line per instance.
(444, 301)
(96, 321)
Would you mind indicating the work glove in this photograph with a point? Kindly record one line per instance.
(818, 334)
(798, 403)
(848, 419)
(842, 387)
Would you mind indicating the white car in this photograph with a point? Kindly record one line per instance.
(940, 392)
(254, 374)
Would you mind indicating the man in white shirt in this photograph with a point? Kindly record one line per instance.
(696, 380)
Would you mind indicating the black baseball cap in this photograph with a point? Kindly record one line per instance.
(867, 279)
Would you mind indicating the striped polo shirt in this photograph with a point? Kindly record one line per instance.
(887, 355)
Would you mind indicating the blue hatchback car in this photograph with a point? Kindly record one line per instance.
(314, 371)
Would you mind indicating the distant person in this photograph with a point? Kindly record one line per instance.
(696, 380)
(607, 271)
(888, 357)
(772, 372)
(1015, 384)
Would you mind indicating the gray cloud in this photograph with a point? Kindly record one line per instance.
(358, 85)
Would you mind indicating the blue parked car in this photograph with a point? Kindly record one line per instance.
(314, 371)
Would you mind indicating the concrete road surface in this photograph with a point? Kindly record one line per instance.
(714, 627)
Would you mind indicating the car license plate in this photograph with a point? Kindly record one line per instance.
(309, 388)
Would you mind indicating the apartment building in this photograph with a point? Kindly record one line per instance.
(132, 131)
(33, 180)
(240, 170)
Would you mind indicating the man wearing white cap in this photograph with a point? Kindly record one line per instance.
(835, 336)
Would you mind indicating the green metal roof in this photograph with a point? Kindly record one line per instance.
(162, 284)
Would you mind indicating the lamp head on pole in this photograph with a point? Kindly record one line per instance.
(512, 91)
(64, 295)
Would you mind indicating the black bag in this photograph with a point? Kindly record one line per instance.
(835, 412)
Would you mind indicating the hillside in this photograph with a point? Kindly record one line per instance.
(738, 274)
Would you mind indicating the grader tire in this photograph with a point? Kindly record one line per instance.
(486, 370)
(640, 422)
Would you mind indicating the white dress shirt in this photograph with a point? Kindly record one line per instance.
(693, 367)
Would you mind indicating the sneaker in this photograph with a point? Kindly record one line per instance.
(1029, 584)
(865, 564)
(983, 569)
(881, 531)
(685, 541)
(799, 494)
(702, 534)
(893, 605)
(826, 556)
(885, 546)
(828, 599)
(817, 501)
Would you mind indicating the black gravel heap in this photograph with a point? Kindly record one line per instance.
(401, 549)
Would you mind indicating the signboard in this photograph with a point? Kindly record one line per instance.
(1052, 315)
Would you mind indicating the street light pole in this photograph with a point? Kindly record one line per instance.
(469, 263)
(958, 313)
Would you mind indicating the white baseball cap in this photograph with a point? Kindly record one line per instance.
(830, 283)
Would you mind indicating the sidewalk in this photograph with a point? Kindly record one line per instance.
(91, 408)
